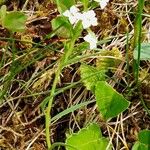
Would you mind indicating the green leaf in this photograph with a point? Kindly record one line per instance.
(144, 137)
(89, 138)
(2, 14)
(77, 30)
(110, 102)
(145, 52)
(143, 142)
(2, 1)
(69, 110)
(90, 75)
(81, 47)
(139, 146)
(62, 26)
(63, 5)
(15, 21)
(111, 62)
(85, 3)
(44, 103)
(136, 146)
(94, 5)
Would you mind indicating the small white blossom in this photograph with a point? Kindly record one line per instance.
(102, 3)
(73, 14)
(88, 18)
(92, 40)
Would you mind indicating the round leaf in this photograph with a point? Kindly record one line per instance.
(15, 21)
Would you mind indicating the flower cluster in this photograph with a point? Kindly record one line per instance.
(73, 14)
(87, 18)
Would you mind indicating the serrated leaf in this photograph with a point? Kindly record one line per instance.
(15, 21)
(110, 103)
(90, 76)
(62, 27)
(89, 138)
(145, 52)
(111, 62)
(63, 5)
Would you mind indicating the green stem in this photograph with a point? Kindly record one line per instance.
(127, 58)
(63, 60)
(137, 42)
(48, 110)
(137, 37)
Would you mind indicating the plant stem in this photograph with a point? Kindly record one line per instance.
(137, 42)
(137, 37)
(127, 58)
(62, 61)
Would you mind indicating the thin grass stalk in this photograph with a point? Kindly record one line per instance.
(12, 70)
(127, 58)
(137, 42)
(137, 37)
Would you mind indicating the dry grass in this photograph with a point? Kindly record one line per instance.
(22, 120)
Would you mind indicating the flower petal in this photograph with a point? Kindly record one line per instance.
(91, 39)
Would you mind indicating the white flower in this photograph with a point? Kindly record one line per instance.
(73, 14)
(91, 39)
(102, 3)
(88, 18)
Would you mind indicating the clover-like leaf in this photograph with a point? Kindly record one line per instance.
(110, 102)
(89, 138)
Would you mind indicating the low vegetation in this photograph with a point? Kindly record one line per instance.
(75, 75)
